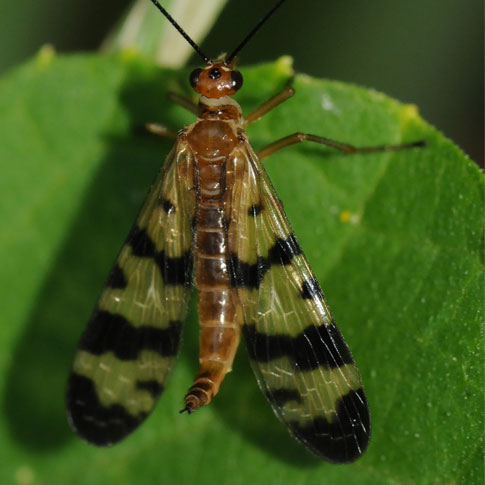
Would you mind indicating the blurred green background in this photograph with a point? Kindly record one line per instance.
(429, 52)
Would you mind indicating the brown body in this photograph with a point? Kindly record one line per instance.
(214, 139)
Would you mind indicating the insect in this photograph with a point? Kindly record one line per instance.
(212, 220)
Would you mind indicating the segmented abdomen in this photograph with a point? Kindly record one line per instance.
(218, 314)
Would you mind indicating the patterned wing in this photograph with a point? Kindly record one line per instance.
(130, 344)
(299, 356)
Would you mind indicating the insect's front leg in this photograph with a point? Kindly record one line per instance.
(343, 147)
(162, 130)
(186, 103)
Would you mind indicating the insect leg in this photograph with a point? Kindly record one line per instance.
(344, 147)
(271, 103)
(184, 102)
(160, 130)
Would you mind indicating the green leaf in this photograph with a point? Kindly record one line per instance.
(395, 238)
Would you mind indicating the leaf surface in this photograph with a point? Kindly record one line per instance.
(395, 239)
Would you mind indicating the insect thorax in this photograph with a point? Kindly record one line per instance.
(224, 108)
(215, 133)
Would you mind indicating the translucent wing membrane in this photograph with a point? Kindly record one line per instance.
(130, 344)
(300, 359)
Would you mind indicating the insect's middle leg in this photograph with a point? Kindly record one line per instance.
(343, 147)
(160, 130)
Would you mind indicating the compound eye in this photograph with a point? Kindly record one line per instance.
(236, 79)
(194, 77)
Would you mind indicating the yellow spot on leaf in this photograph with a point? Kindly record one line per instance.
(284, 65)
(24, 475)
(347, 216)
(129, 54)
(410, 112)
(344, 216)
(45, 55)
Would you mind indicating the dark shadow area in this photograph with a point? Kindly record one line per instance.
(80, 26)
(389, 47)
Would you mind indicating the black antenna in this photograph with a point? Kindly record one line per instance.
(182, 31)
(256, 28)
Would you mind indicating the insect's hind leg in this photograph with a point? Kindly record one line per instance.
(343, 147)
